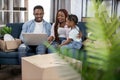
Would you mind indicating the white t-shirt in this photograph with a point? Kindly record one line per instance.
(74, 33)
(39, 28)
(62, 31)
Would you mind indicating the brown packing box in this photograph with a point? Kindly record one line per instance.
(47, 67)
(9, 45)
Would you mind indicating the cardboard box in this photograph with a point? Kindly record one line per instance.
(47, 67)
(9, 45)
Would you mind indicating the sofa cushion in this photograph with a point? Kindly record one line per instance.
(8, 54)
(16, 29)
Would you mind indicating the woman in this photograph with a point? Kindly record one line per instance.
(59, 31)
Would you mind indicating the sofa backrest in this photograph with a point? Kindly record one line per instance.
(16, 29)
(83, 28)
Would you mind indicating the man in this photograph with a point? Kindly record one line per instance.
(38, 25)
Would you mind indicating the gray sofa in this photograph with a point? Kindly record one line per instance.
(11, 58)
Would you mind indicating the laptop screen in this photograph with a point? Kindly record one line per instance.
(34, 39)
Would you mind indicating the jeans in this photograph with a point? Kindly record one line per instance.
(70, 49)
(24, 50)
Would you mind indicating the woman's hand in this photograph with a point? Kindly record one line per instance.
(50, 39)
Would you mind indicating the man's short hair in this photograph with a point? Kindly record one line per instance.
(38, 7)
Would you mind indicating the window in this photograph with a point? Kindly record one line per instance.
(76, 9)
(118, 9)
(84, 9)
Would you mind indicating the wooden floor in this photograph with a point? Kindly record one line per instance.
(10, 72)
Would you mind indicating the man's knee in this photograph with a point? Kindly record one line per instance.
(41, 49)
(22, 48)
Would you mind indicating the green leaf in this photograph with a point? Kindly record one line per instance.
(5, 30)
(103, 52)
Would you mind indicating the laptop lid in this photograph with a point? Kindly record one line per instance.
(34, 39)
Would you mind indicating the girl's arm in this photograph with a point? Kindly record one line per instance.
(79, 35)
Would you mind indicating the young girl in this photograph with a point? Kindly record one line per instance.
(74, 40)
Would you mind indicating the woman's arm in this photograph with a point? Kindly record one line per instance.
(66, 42)
(52, 30)
(51, 37)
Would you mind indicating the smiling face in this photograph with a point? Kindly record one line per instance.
(38, 13)
(61, 17)
(71, 21)
(68, 23)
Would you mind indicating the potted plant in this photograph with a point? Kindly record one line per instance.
(5, 30)
(103, 47)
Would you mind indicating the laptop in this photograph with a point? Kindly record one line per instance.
(34, 39)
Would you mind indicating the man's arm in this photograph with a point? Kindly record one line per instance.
(24, 27)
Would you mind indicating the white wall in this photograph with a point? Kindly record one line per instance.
(76, 8)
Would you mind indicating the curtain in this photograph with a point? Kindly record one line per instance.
(59, 4)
